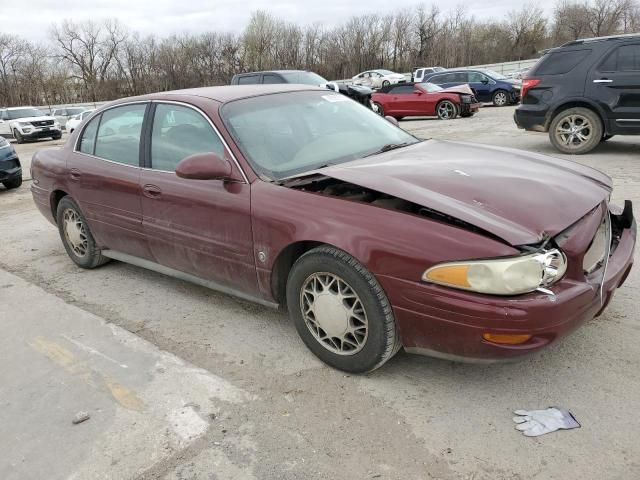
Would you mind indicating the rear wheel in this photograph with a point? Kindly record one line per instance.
(340, 311)
(13, 183)
(386, 83)
(500, 98)
(576, 130)
(76, 236)
(446, 110)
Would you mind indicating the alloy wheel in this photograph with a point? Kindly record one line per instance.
(333, 313)
(75, 232)
(446, 110)
(500, 99)
(574, 130)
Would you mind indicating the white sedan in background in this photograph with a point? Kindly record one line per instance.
(378, 78)
(76, 120)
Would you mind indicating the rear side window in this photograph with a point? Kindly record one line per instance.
(270, 78)
(248, 80)
(623, 59)
(88, 140)
(557, 63)
(179, 132)
(118, 137)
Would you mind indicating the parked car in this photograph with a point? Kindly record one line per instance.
(62, 115)
(425, 99)
(488, 86)
(378, 78)
(419, 73)
(27, 123)
(373, 239)
(518, 74)
(584, 93)
(77, 119)
(10, 168)
(358, 93)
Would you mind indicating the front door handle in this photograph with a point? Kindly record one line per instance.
(75, 174)
(603, 80)
(151, 191)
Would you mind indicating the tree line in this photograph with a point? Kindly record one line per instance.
(94, 61)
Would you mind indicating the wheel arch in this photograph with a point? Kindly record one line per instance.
(54, 199)
(283, 263)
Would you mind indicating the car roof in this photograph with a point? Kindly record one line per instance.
(602, 39)
(271, 71)
(19, 108)
(228, 93)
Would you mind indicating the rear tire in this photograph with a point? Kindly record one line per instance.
(386, 83)
(13, 183)
(76, 236)
(340, 311)
(576, 130)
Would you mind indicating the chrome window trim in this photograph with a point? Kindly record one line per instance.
(100, 112)
(215, 129)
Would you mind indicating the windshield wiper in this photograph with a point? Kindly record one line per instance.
(388, 147)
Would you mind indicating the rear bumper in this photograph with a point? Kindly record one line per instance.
(531, 119)
(10, 168)
(450, 323)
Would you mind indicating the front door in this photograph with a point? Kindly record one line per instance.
(615, 83)
(199, 227)
(481, 85)
(104, 178)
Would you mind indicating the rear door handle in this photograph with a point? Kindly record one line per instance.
(603, 80)
(75, 174)
(151, 191)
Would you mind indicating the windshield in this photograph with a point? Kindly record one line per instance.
(305, 78)
(290, 133)
(24, 113)
(430, 87)
(494, 75)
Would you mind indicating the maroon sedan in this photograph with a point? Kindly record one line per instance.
(425, 100)
(373, 240)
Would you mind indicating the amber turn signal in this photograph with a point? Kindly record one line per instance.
(506, 339)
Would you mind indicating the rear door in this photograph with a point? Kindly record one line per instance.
(615, 83)
(199, 227)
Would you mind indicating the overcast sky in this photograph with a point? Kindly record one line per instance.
(32, 19)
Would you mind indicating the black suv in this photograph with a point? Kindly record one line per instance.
(584, 92)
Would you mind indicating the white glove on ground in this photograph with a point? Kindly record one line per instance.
(538, 422)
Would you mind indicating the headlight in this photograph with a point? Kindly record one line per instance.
(24, 124)
(465, 98)
(501, 276)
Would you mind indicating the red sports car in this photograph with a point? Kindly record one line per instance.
(425, 100)
(374, 240)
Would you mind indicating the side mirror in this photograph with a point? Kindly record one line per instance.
(392, 120)
(204, 166)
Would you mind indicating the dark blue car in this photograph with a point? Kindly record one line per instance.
(488, 86)
(10, 168)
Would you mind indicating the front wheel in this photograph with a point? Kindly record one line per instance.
(446, 110)
(18, 136)
(76, 236)
(340, 311)
(500, 98)
(13, 183)
(576, 130)
(57, 137)
(379, 109)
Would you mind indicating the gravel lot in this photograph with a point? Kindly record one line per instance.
(185, 383)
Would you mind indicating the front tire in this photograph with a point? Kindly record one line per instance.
(379, 109)
(13, 183)
(57, 137)
(76, 236)
(340, 311)
(576, 131)
(606, 138)
(446, 110)
(18, 136)
(500, 98)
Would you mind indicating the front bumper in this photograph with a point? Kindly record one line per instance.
(449, 323)
(39, 132)
(470, 107)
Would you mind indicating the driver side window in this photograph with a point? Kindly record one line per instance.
(179, 132)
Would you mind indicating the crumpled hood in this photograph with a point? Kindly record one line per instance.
(463, 89)
(518, 196)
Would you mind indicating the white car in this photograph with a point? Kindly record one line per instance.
(378, 78)
(63, 115)
(26, 123)
(76, 120)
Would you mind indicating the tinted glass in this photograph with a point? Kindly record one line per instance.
(88, 140)
(404, 89)
(179, 132)
(476, 77)
(556, 63)
(623, 59)
(119, 134)
(305, 78)
(286, 134)
(495, 75)
(248, 80)
(271, 79)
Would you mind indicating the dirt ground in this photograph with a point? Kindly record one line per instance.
(181, 382)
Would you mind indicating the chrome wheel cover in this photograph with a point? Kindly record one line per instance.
(500, 98)
(334, 313)
(574, 130)
(75, 232)
(446, 110)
